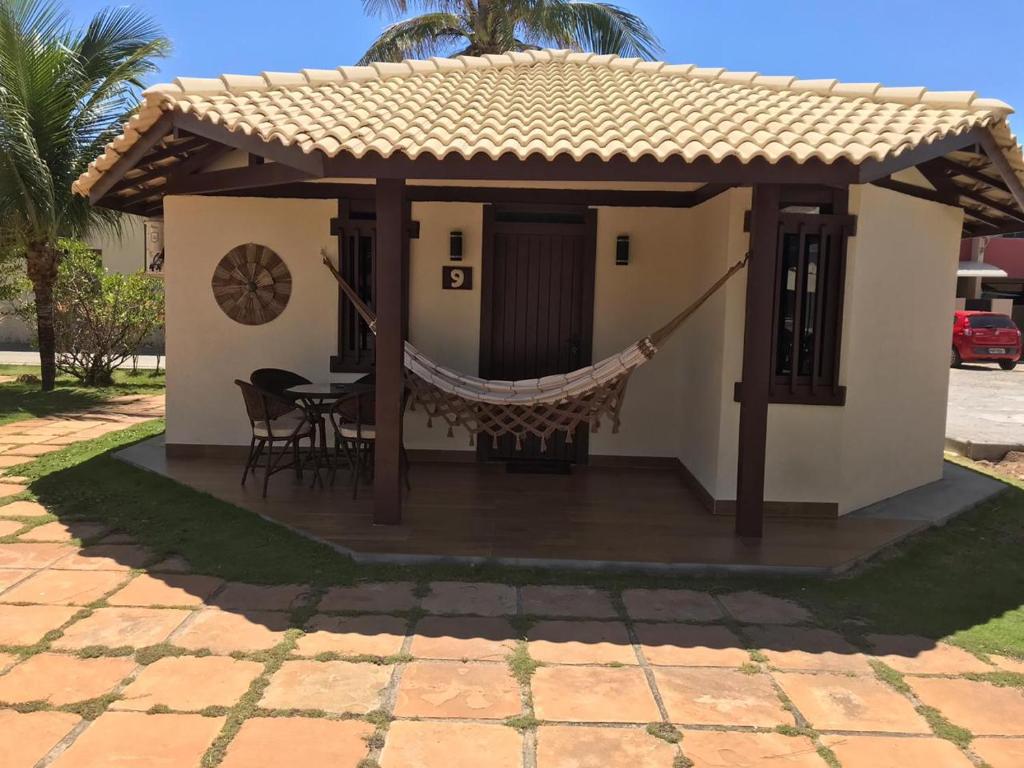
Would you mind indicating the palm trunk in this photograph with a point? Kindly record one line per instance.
(41, 261)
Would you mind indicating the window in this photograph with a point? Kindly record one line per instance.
(990, 321)
(809, 286)
(356, 230)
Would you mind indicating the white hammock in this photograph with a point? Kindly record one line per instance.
(548, 389)
(539, 407)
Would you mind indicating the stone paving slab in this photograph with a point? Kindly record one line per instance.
(117, 627)
(731, 749)
(463, 637)
(226, 632)
(60, 679)
(29, 736)
(332, 686)
(273, 742)
(22, 508)
(691, 645)
(720, 697)
(188, 683)
(26, 624)
(457, 690)
(808, 649)
(914, 655)
(896, 752)
(62, 587)
(370, 598)
(841, 703)
(353, 635)
(593, 695)
(578, 602)
(581, 642)
(1000, 753)
(454, 597)
(451, 745)
(575, 746)
(982, 708)
(130, 739)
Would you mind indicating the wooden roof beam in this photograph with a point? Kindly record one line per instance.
(953, 168)
(995, 154)
(871, 170)
(234, 179)
(976, 196)
(312, 164)
(132, 157)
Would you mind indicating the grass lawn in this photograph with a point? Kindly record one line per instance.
(25, 401)
(963, 581)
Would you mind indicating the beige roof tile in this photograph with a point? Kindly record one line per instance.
(551, 103)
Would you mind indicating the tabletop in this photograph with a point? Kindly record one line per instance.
(331, 389)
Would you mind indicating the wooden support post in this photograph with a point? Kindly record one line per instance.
(389, 276)
(757, 345)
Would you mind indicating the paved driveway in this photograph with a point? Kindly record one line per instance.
(985, 416)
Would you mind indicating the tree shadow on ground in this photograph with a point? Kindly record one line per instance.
(19, 401)
(963, 580)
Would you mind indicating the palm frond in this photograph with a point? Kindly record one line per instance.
(63, 93)
(597, 27)
(419, 37)
(393, 8)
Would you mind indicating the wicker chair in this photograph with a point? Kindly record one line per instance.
(354, 422)
(277, 381)
(275, 420)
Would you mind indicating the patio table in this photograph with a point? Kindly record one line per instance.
(317, 399)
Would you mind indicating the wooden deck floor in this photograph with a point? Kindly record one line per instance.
(596, 516)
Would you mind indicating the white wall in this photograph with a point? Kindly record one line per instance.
(210, 350)
(124, 252)
(444, 324)
(901, 279)
(630, 302)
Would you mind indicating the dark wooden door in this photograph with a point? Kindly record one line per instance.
(537, 311)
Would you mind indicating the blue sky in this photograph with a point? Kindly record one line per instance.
(941, 44)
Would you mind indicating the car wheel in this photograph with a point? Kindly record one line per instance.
(954, 359)
(1007, 365)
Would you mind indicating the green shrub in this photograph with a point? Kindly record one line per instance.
(100, 318)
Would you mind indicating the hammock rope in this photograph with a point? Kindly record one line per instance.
(539, 407)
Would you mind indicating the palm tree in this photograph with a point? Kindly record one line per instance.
(64, 92)
(476, 27)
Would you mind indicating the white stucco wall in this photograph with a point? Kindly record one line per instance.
(209, 350)
(444, 324)
(632, 300)
(901, 280)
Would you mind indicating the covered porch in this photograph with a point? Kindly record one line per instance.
(630, 517)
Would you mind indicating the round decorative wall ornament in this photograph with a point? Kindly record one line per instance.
(252, 284)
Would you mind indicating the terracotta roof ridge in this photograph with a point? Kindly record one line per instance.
(265, 81)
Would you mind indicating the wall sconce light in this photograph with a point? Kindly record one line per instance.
(622, 250)
(455, 246)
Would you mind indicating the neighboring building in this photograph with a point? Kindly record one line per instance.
(990, 275)
(125, 252)
(593, 197)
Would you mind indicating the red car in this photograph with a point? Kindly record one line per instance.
(985, 337)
